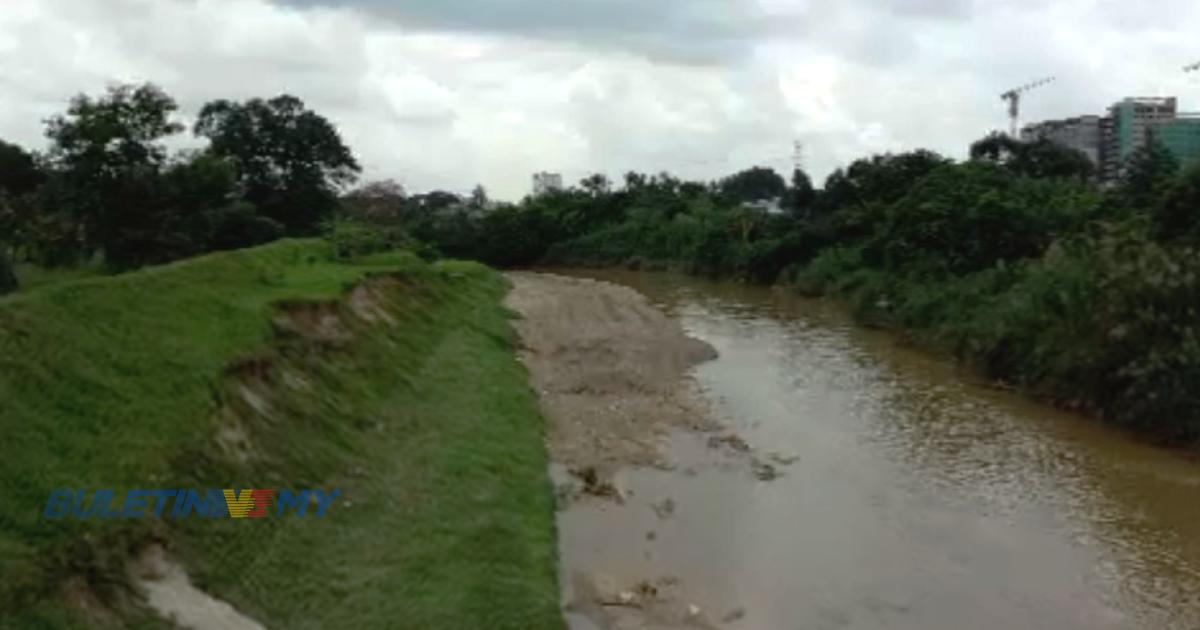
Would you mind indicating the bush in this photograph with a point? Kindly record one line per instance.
(352, 240)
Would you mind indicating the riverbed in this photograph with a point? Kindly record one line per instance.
(903, 493)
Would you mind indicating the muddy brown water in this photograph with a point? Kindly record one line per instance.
(919, 498)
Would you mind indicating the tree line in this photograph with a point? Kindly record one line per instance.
(1017, 260)
(108, 187)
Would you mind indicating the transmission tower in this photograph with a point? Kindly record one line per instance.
(797, 156)
(1013, 97)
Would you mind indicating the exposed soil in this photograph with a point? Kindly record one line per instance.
(171, 594)
(609, 368)
(612, 374)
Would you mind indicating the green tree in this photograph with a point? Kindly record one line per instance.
(596, 185)
(8, 279)
(19, 171)
(379, 202)
(753, 184)
(879, 179)
(20, 178)
(291, 161)
(204, 211)
(1148, 174)
(109, 152)
(1039, 158)
(801, 195)
(1177, 217)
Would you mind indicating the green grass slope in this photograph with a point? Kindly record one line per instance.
(420, 414)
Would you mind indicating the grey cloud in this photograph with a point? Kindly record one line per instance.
(686, 31)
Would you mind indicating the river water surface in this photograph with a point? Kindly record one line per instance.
(918, 497)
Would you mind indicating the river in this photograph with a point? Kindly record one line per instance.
(918, 498)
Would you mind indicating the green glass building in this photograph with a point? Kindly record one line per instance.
(1181, 137)
(1133, 121)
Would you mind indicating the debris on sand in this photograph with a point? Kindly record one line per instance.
(664, 508)
(595, 486)
(763, 471)
(782, 459)
(732, 441)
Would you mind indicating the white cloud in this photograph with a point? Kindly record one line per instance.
(440, 96)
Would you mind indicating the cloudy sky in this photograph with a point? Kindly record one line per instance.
(447, 93)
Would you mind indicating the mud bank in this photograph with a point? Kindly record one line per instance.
(609, 368)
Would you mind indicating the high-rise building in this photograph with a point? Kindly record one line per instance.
(546, 183)
(1180, 136)
(1082, 133)
(1134, 121)
(1109, 141)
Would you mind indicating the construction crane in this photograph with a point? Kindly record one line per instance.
(1013, 97)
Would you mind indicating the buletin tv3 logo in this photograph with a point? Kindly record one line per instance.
(248, 503)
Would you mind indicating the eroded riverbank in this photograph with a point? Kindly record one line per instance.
(914, 498)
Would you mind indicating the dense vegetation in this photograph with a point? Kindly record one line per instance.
(1015, 260)
(193, 375)
(107, 189)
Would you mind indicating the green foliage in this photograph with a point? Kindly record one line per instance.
(1177, 216)
(880, 179)
(107, 153)
(1040, 158)
(108, 185)
(354, 240)
(19, 172)
(753, 184)
(291, 160)
(148, 370)
(964, 218)
(1147, 175)
(801, 196)
(8, 277)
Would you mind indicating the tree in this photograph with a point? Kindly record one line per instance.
(20, 176)
(109, 152)
(479, 198)
(8, 279)
(19, 172)
(881, 179)
(1148, 174)
(753, 184)
(290, 160)
(1178, 216)
(1039, 158)
(801, 195)
(383, 201)
(203, 209)
(596, 185)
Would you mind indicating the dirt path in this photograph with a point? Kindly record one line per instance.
(609, 368)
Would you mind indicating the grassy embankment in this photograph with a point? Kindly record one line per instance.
(420, 414)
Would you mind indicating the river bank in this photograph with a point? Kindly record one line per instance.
(386, 378)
